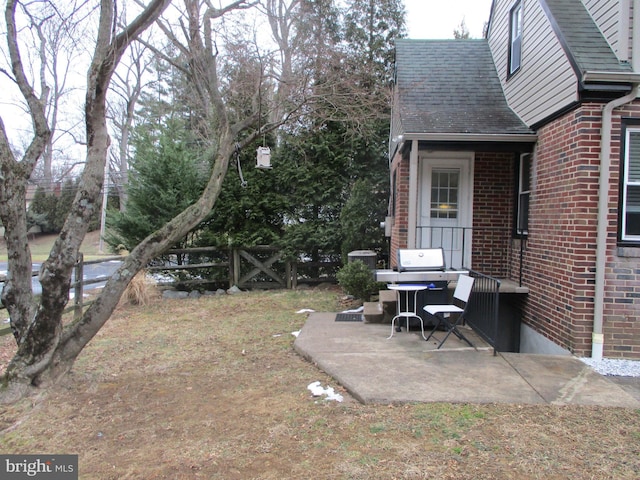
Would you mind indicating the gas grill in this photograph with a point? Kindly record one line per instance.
(419, 265)
(425, 266)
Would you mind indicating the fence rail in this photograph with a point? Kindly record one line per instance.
(261, 267)
(483, 309)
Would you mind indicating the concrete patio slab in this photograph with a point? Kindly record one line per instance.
(405, 368)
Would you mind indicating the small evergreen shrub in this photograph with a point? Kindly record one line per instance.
(357, 279)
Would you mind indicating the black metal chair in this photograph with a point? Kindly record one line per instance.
(458, 307)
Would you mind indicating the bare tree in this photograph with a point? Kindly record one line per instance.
(129, 83)
(46, 349)
(228, 122)
(461, 32)
(55, 48)
(238, 92)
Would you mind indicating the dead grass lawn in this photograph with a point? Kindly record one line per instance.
(211, 388)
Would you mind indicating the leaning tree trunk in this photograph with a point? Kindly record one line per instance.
(47, 351)
(39, 333)
(77, 335)
(17, 293)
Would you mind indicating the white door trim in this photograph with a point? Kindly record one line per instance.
(413, 196)
(463, 160)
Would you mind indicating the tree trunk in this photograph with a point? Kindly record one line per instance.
(46, 350)
(40, 358)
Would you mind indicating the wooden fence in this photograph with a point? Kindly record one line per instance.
(261, 267)
(77, 287)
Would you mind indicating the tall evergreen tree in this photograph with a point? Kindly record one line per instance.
(63, 203)
(42, 210)
(315, 168)
(167, 172)
(298, 205)
(167, 175)
(371, 27)
(251, 206)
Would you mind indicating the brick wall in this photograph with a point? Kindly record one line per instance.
(493, 196)
(559, 257)
(400, 191)
(622, 276)
(560, 253)
(493, 211)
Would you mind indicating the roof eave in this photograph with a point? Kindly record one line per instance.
(473, 137)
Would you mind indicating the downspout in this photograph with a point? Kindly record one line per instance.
(597, 337)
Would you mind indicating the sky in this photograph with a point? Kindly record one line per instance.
(438, 18)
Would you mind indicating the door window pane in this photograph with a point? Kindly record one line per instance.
(444, 193)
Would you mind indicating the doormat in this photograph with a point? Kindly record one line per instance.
(349, 317)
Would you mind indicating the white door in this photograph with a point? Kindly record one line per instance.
(446, 206)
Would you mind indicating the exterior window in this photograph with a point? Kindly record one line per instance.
(630, 188)
(444, 193)
(515, 38)
(524, 192)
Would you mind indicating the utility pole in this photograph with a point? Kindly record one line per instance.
(105, 196)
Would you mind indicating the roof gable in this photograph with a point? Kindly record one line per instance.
(451, 87)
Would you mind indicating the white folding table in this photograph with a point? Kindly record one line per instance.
(407, 312)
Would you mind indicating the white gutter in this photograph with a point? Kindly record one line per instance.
(610, 77)
(597, 337)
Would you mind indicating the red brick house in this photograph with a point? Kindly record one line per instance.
(519, 154)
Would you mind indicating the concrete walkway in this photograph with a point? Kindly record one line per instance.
(405, 368)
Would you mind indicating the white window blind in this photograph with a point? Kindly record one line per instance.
(631, 188)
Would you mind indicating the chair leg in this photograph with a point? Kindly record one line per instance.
(438, 323)
(453, 328)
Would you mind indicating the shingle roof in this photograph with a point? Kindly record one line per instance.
(582, 39)
(451, 86)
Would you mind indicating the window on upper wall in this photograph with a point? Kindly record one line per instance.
(629, 199)
(524, 192)
(515, 38)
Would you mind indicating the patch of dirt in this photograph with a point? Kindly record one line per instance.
(211, 388)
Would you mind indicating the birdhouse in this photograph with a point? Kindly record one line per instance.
(263, 159)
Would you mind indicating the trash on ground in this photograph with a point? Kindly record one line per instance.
(317, 390)
(306, 310)
(354, 310)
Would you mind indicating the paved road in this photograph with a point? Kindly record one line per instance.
(90, 272)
